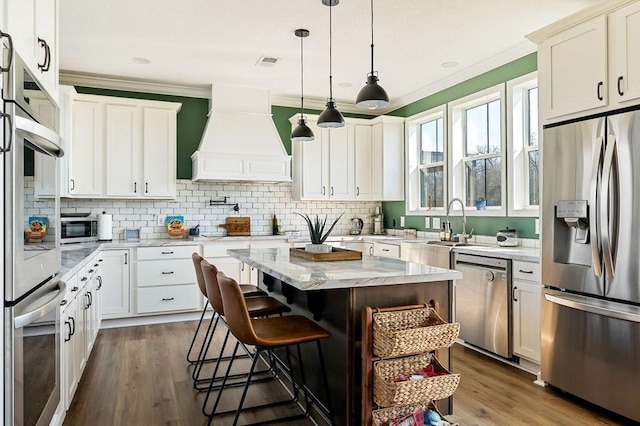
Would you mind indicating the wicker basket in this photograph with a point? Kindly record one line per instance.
(411, 331)
(383, 416)
(386, 392)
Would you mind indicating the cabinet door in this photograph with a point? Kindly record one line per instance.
(20, 20)
(69, 365)
(159, 151)
(86, 153)
(122, 144)
(363, 162)
(377, 141)
(341, 163)
(46, 44)
(314, 164)
(231, 268)
(573, 67)
(526, 319)
(46, 168)
(115, 288)
(624, 44)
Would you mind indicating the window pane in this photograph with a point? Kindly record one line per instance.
(432, 187)
(431, 142)
(483, 179)
(534, 182)
(476, 131)
(532, 109)
(494, 126)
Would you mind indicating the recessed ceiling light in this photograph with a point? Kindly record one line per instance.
(450, 64)
(345, 84)
(141, 61)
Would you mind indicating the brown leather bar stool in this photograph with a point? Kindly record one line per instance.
(248, 290)
(266, 334)
(258, 306)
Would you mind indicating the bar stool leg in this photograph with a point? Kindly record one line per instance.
(204, 350)
(195, 335)
(211, 387)
(307, 403)
(246, 386)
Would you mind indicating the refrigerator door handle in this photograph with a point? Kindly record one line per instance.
(609, 157)
(602, 307)
(593, 209)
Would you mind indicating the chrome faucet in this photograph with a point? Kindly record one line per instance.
(464, 218)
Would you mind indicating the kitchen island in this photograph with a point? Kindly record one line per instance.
(334, 293)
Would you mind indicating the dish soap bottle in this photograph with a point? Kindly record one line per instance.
(442, 232)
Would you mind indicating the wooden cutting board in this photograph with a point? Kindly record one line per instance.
(237, 226)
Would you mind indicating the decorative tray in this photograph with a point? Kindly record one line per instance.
(335, 254)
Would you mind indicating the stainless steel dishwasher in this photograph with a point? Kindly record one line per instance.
(483, 302)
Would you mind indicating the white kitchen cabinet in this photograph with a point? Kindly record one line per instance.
(116, 283)
(364, 172)
(70, 342)
(166, 279)
(387, 150)
(341, 163)
(367, 248)
(45, 167)
(386, 250)
(159, 127)
(527, 292)
(624, 48)
(122, 143)
(86, 149)
(253, 277)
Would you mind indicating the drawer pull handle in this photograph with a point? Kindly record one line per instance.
(167, 273)
(167, 252)
(83, 279)
(167, 299)
(385, 249)
(91, 271)
(515, 292)
(522, 271)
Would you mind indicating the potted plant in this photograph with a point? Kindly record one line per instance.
(481, 203)
(317, 233)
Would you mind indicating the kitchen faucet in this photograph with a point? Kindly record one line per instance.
(464, 218)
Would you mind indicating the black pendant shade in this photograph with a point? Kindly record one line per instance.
(372, 95)
(330, 117)
(302, 132)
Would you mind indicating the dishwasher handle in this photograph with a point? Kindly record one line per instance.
(481, 261)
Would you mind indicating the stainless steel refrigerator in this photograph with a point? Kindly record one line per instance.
(591, 260)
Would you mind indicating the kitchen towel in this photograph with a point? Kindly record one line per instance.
(105, 227)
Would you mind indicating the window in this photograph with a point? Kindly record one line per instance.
(477, 146)
(524, 141)
(426, 148)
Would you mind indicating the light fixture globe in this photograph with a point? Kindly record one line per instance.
(372, 95)
(302, 132)
(331, 117)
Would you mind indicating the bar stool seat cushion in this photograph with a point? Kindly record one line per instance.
(289, 330)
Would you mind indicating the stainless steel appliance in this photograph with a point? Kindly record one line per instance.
(378, 221)
(356, 226)
(590, 254)
(32, 290)
(78, 228)
(483, 302)
(507, 237)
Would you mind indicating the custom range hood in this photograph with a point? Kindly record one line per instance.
(240, 141)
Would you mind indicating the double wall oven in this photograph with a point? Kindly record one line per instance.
(31, 266)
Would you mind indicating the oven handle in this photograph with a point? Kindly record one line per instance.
(52, 302)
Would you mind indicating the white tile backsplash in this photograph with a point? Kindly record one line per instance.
(260, 201)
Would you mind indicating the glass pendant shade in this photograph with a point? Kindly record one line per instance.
(302, 132)
(331, 117)
(372, 95)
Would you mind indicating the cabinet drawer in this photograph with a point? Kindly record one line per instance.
(387, 250)
(171, 252)
(220, 249)
(526, 271)
(165, 272)
(169, 298)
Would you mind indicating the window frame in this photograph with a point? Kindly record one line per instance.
(413, 161)
(518, 179)
(457, 157)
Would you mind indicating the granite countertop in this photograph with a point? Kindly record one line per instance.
(371, 271)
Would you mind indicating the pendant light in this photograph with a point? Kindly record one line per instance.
(372, 95)
(330, 117)
(302, 132)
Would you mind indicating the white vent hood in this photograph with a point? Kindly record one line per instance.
(240, 141)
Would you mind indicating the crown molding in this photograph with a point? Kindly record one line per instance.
(320, 105)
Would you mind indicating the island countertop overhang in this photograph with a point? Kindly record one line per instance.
(371, 271)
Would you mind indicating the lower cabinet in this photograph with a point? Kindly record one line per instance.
(71, 344)
(527, 292)
(386, 250)
(115, 283)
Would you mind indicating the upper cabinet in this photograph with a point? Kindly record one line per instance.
(361, 161)
(590, 61)
(33, 26)
(117, 147)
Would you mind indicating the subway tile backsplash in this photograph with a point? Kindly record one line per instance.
(260, 201)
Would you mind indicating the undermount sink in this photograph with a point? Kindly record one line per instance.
(448, 243)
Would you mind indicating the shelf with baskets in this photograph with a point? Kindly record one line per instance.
(400, 341)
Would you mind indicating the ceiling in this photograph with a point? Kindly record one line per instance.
(203, 42)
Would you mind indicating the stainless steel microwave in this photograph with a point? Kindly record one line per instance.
(78, 229)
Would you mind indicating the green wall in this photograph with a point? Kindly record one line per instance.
(481, 225)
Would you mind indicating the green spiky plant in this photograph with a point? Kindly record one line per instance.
(316, 227)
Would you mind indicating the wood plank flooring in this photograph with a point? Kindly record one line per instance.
(139, 376)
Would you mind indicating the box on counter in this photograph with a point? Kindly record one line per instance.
(37, 229)
(175, 226)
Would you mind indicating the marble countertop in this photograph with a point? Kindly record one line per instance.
(371, 271)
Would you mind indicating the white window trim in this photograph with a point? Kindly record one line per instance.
(412, 161)
(455, 149)
(516, 144)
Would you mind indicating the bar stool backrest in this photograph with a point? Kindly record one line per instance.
(237, 315)
(197, 259)
(210, 273)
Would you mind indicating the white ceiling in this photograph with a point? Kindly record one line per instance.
(203, 42)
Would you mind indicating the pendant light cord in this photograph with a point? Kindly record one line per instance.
(330, 56)
(371, 37)
(301, 77)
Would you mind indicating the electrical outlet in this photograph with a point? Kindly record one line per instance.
(537, 226)
(427, 222)
(436, 223)
(402, 221)
(160, 219)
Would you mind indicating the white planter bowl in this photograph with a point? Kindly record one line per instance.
(318, 248)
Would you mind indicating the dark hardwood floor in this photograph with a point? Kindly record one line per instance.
(139, 376)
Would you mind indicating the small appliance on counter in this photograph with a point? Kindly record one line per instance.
(507, 237)
(105, 227)
(378, 222)
(356, 226)
(195, 231)
(78, 228)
